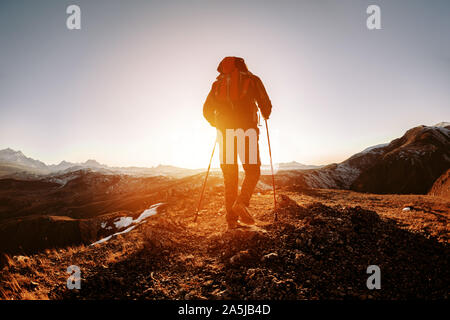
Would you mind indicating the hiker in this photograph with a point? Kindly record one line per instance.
(232, 107)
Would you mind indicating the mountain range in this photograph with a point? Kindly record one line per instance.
(409, 164)
(15, 164)
(109, 223)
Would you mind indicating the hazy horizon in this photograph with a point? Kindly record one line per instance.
(165, 164)
(128, 88)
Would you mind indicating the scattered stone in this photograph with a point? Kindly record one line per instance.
(273, 256)
(239, 257)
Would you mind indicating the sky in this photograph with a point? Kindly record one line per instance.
(128, 88)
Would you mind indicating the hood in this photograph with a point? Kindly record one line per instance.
(230, 64)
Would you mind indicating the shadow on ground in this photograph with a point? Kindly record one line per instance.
(312, 252)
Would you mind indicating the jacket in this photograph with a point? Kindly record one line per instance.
(235, 97)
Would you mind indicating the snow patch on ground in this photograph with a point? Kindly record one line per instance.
(442, 124)
(147, 213)
(102, 240)
(123, 222)
(62, 181)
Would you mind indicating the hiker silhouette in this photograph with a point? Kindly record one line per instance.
(232, 107)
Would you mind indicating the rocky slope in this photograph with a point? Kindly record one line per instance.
(409, 164)
(319, 249)
(69, 209)
(441, 187)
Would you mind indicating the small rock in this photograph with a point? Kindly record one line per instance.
(24, 259)
(208, 283)
(239, 257)
(270, 257)
(299, 257)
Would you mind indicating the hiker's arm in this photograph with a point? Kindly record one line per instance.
(209, 108)
(262, 98)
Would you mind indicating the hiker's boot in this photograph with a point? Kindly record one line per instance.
(244, 215)
(234, 225)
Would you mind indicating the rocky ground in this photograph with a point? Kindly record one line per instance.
(319, 248)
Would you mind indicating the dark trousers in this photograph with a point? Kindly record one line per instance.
(231, 180)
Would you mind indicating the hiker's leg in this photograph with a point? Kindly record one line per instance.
(252, 174)
(230, 179)
(230, 175)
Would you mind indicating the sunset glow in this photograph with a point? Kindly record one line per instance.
(128, 88)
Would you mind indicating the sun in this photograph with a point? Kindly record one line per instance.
(192, 149)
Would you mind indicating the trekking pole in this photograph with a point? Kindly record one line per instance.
(273, 178)
(204, 184)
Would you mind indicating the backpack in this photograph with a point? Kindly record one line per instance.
(232, 86)
(234, 80)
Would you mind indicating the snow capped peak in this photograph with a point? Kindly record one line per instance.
(18, 158)
(92, 163)
(10, 151)
(63, 165)
(442, 124)
(368, 149)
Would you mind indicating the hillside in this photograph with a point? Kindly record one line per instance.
(319, 249)
(407, 165)
(68, 209)
(441, 187)
(410, 164)
(134, 236)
